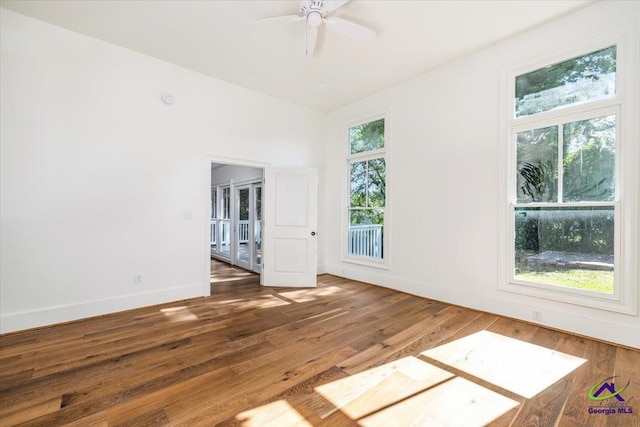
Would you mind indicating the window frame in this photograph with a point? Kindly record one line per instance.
(622, 105)
(383, 153)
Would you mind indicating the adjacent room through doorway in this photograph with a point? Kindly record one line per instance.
(236, 217)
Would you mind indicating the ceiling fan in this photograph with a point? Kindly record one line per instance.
(315, 12)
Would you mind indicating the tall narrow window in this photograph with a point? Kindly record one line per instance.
(367, 192)
(564, 177)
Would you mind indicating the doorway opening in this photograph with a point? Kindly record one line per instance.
(235, 226)
(268, 229)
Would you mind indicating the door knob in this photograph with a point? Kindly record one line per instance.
(313, 233)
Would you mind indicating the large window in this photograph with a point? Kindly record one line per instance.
(564, 182)
(367, 166)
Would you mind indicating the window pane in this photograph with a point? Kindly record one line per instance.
(214, 203)
(586, 78)
(569, 247)
(366, 137)
(365, 232)
(537, 165)
(589, 160)
(243, 204)
(258, 203)
(226, 208)
(359, 184)
(376, 183)
(225, 237)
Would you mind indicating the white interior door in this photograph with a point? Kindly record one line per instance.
(290, 222)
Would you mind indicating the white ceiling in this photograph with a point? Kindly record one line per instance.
(212, 37)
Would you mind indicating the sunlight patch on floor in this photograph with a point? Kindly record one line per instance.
(523, 368)
(274, 414)
(264, 301)
(306, 295)
(457, 402)
(364, 393)
(225, 279)
(179, 314)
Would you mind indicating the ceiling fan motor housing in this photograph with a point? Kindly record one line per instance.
(312, 8)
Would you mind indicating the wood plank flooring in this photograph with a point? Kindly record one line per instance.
(345, 353)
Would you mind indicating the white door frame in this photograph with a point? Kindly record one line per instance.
(206, 259)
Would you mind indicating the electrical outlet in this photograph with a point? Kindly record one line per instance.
(137, 279)
(537, 315)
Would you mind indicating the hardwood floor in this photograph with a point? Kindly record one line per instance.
(343, 354)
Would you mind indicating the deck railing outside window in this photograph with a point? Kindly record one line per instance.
(243, 231)
(365, 240)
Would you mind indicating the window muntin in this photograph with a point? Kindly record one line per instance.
(585, 78)
(367, 170)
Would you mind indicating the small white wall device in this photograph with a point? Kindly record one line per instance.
(167, 99)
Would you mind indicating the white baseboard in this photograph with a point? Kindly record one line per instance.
(618, 333)
(321, 269)
(13, 322)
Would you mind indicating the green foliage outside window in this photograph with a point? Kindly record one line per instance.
(366, 137)
(585, 78)
(589, 160)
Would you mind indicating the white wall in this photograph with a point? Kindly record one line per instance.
(444, 171)
(239, 174)
(97, 172)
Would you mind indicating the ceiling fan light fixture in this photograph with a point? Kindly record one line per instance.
(314, 13)
(314, 18)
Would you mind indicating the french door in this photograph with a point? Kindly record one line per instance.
(221, 222)
(248, 227)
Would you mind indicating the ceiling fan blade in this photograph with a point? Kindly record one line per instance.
(310, 38)
(289, 18)
(350, 29)
(331, 5)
